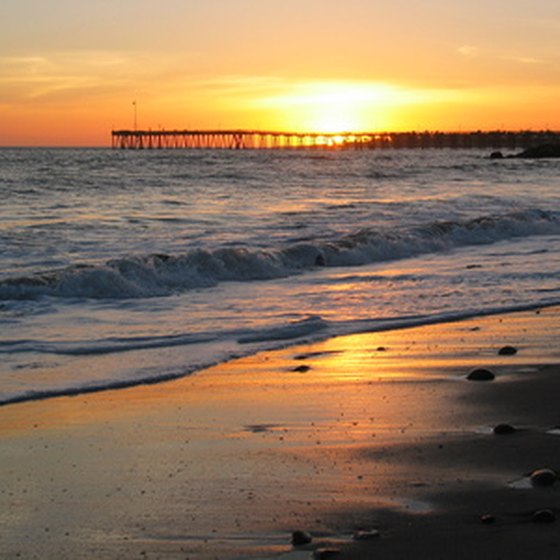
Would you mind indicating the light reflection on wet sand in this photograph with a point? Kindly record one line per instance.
(247, 451)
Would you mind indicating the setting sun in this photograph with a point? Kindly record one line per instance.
(332, 107)
(311, 66)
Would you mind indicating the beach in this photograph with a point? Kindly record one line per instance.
(279, 280)
(375, 431)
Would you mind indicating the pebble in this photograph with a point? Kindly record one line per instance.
(480, 374)
(504, 429)
(302, 369)
(544, 516)
(507, 351)
(366, 535)
(300, 538)
(321, 553)
(488, 519)
(543, 477)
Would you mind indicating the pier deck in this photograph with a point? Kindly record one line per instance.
(258, 139)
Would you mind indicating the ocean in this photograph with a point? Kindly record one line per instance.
(119, 268)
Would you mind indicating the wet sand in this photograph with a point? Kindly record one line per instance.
(374, 431)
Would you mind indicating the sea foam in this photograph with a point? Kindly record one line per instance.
(157, 275)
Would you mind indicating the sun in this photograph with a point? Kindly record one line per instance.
(334, 107)
(331, 120)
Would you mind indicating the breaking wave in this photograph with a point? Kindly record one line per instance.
(162, 275)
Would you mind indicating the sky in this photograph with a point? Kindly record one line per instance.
(73, 70)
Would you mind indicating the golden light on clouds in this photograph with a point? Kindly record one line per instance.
(331, 106)
(70, 71)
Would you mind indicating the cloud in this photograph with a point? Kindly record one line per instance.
(525, 60)
(469, 51)
(58, 76)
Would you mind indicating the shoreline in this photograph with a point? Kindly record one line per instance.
(381, 431)
(388, 325)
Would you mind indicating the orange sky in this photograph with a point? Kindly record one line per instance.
(70, 70)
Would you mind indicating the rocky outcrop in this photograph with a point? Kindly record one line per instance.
(541, 151)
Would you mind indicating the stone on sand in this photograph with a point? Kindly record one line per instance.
(366, 535)
(301, 538)
(302, 369)
(480, 374)
(322, 553)
(504, 429)
(507, 351)
(543, 477)
(544, 516)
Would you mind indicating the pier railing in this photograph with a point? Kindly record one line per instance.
(258, 139)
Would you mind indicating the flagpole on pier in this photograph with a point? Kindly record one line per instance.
(135, 115)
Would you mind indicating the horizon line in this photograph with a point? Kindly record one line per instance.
(331, 133)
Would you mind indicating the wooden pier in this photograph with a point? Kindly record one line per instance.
(231, 139)
(257, 139)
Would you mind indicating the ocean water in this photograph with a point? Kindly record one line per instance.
(126, 267)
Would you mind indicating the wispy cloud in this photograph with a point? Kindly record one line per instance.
(525, 60)
(471, 51)
(54, 77)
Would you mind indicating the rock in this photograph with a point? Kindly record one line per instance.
(544, 516)
(504, 429)
(366, 535)
(480, 374)
(551, 150)
(507, 351)
(496, 155)
(302, 369)
(301, 538)
(320, 260)
(321, 553)
(488, 519)
(543, 477)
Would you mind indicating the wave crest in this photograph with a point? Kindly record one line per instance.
(162, 275)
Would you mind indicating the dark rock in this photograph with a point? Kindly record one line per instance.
(302, 369)
(544, 516)
(551, 150)
(507, 351)
(381, 349)
(504, 429)
(488, 519)
(320, 260)
(543, 477)
(321, 553)
(260, 428)
(366, 535)
(301, 538)
(480, 374)
(496, 155)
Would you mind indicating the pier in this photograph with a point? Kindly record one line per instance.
(258, 139)
(232, 139)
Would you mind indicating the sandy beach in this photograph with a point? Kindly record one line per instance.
(375, 431)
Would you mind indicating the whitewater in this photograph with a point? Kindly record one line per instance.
(125, 267)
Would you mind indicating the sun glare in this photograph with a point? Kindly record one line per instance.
(337, 107)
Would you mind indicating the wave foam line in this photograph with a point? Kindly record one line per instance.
(325, 331)
(294, 330)
(163, 275)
